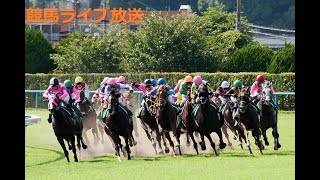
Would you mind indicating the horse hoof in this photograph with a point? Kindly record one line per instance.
(275, 148)
(222, 146)
(167, 151)
(279, 146)
(161, 151)
(177, 144)
(203, 148)
(76, 160)
(84, 146)
(70, 147)
(119, 158)
(266, 143)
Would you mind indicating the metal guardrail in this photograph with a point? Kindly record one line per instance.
(139, 94)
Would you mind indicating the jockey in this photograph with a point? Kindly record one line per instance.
(197, 80)
(177, 94)
(220, 93)
(185, 85)
(102, 88)
(145, 87)
(82, 86)
(122, 80)
(60, 89)
(74, 96)
(113, 86)
(256, 88)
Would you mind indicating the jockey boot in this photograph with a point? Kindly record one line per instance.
(50, 118)
(255, 106)
(73, 114)
(139, 113)
(235, 118)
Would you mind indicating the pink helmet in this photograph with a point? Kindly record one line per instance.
(112, 81)
(121, 79)
(197, 79)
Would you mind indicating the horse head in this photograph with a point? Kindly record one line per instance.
(244, 102)
(267, 93)
(162, 98)
(113, 102)
(53, 103)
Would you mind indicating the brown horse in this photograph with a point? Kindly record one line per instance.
(65, 127)
(118, 124)
(269, 115)
(248, 120)
(188, 121)
(208, 120)
(149, 123)
(89, 119)
(167, 119)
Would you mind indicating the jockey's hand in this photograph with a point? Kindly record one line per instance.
(132, 84)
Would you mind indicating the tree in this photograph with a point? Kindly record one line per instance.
(163, 45)
(85, 53)
(283, 60)
(250, 58)
(37, 51)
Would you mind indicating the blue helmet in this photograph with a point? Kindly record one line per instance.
(161, 81)
(154, 82)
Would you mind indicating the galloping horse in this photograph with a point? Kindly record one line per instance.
(208, 120)
(118, 124)
(188, 121)
(89, 119)
(268, 118)
(167, 119)
(248, 120)
(149, 123)
(127, 99)
(65, 128)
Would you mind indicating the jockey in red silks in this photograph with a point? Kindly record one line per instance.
(256, 88)
(145, 87)
(56, 87)
(82, 86)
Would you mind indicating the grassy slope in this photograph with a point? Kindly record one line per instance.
(45, 159)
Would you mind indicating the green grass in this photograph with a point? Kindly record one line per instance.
(45, 159)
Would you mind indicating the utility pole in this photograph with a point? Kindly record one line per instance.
(76, 4)
(238, 16)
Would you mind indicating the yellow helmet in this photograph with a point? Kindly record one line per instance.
(78, 79)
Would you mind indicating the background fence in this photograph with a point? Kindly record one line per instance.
(33, 99)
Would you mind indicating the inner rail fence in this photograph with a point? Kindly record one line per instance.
(33, 99)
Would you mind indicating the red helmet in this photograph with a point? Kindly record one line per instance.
(260, 78)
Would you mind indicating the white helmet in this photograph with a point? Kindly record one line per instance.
(105, 80)
(225, 84)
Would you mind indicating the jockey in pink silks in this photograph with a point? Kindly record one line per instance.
(145, 87)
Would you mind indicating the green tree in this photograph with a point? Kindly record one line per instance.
(283, 60)
(37, 51)
(164, 45)
(250, 58)
(85, 53)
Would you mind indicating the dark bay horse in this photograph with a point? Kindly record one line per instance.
(89, 120)
(149, 123)
(208, 120)
(248, 120)
(65, 128)
(118, 124)
(268, 117)
(188, 121)
(167, 119)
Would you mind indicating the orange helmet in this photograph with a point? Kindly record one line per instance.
(188, 79)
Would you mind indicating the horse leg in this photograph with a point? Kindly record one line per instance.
(61, 142)
(245, 132)
(265, 138)
(212, 144)
(164, 139)
(202, 143)
(171, 143)
(84, 133)
(123, 149)
(134, 142)
(222, 145)
(195, 145)
(116, 142)
(74, 148)
(188, 141)
(135, 127)
(95, 134)
(225, 132)
(240, 136)
(100, 128)
(158, 138)
(257, 134)
(275, 135)
(126, 139)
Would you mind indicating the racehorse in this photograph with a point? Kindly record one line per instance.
(208, 120)
(65, 128)
(248, 120)
(268, 117)
(188, 121)
(89, 119)
(118, 124)
(167, 119)
(149, 123)
(127, 99)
